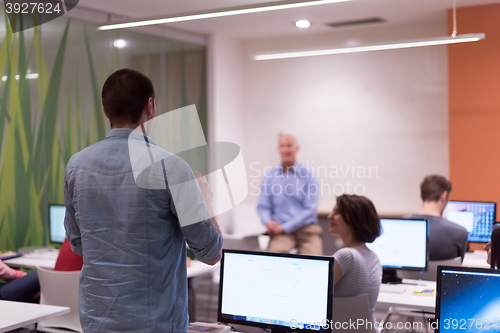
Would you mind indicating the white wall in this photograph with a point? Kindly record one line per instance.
(383, 115)
(382, 112)
(225, 100)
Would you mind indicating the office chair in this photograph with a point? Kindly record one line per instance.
(60, 288)
(352, 309)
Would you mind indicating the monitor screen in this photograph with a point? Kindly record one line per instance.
(477, 217)
(468, 299)
(402, 244)
(276, 291)
(57, 233)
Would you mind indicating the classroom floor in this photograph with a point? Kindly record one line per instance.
(206, 294)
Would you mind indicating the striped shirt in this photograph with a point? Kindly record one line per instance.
(361, 274)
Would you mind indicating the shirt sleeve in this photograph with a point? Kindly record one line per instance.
(188, 204)
(203, 239)
(264, 206)
(308, 210)
(344, 257)
(70, 224)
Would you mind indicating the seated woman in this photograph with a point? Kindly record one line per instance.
(493, 248)
(357, 268)
(19, 286)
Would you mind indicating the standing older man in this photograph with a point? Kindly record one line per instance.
(288, 203)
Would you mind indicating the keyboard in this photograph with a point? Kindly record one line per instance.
(393, 288)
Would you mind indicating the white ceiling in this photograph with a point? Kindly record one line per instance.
(282, 22)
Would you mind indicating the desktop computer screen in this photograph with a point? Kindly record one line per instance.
(402, 245)
(57, 233)
(468, 299)
(477, 217)
(282, 292)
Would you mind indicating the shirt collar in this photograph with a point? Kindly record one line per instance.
(293, 169)
(119, 133)
(125, 133)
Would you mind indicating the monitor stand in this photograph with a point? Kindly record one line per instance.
(390, 276)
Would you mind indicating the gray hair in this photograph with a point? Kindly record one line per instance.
(290, 134)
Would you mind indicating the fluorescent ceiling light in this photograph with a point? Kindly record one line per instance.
(302, 24)
(28, 76)
(376, 47)
(220, 13)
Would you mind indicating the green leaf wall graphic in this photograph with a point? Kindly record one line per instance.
(43, 122)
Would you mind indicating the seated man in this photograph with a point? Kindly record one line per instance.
(288, 203)
(447, 240)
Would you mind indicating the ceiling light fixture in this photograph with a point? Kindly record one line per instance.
(454, 38)
(119, 43)
(375, 47)
(302, 24)
(220, 13)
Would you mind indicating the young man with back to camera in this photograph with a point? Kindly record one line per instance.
(447, 240)
(134, 274)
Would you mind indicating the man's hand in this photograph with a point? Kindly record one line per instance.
(206, 191)
(208, 195)
(274, 228)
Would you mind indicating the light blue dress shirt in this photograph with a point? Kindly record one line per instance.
(134, 275)
(290, 198)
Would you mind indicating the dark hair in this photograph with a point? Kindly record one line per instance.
(495, 247)
(360, 215)
(433, 186)
(125, 94)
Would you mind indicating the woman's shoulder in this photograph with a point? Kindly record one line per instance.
(355, 252)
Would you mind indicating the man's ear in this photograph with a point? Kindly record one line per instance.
(444, 196)
(150, 107)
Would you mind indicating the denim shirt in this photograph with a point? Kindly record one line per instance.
(134, 274)
(290, 198)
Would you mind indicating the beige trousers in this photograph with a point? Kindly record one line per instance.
(308, 240)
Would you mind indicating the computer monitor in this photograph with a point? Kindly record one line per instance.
(57, 233)
(468, 299)
(281, 292)
(402, 245)
(477, 217)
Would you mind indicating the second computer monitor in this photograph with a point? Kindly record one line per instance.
(281, 292)
(402, 244)
(477, 217)
(57, 233)
(468, 299)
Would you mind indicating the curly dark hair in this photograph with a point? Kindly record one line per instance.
(360, 215)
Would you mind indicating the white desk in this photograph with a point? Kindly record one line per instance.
(17, 314)
(475, 259)
(48, 260)
(408, 298)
